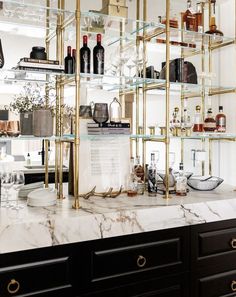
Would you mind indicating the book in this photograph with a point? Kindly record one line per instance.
(108, 125)
(37, 69)
(108, 131)
(29, 60)
(42, 66)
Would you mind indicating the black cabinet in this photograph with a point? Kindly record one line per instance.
(213, 266)
(36, 273)
(192, 261)
(172, 286)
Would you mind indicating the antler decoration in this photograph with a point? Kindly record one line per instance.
(109, 194)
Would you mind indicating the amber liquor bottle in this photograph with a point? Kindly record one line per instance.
(209, 123)
(213, 28)
(221, 120)
(198, 124)
(189, 18)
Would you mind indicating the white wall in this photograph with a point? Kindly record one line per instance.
(223, 65)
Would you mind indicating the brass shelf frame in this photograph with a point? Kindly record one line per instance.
(61, 82)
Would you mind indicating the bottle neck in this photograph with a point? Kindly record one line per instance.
(99, 39)
(69, 51)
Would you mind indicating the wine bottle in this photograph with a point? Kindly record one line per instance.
(98, 56)
(85, 56)
(69, 62)
(74, 60)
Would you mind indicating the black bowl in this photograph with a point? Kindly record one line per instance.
(38, 52)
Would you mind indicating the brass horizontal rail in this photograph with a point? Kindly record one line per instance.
(153, 34)
(214, 47)
(221, 92)
(222, 139)
(192, 95)
(162, 140)
(154, 86)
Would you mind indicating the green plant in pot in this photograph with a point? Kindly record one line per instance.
(43, 113)
(23, 104)
(35, 108)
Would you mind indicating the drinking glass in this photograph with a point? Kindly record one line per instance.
(18, 182)
(7, 183)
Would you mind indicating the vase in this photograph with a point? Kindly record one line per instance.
(1, 55)
(42, 123)
(26, 123)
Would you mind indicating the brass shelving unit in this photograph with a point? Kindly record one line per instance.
(119, 31)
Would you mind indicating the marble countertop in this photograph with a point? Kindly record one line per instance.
(98, 218)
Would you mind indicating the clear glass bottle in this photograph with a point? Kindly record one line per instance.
(181, 182)
(199, 18)
(186, 120)
(152, 177)
(115, 111)
(221, 120)
(175, 122)
(132, 181)
(139, 173)
(138, 169)
(189, 17)
(198, 124)
(210, 122)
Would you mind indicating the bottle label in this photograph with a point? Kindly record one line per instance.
(181, 187)
(221, 122)
(211, 125)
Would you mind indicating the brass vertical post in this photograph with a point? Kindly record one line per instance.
(48, 3)
(210, 70)
(137, 74)
(144, 85)
(61, 104)
(121, 93)
(77, 104)
(167, 132)
(182, 92)
(210, 157)
(58, 57)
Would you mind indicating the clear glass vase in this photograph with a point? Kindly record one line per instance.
(115, 111)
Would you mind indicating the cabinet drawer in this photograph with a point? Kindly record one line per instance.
(217, 242)
(139, 256)
(219, 285)
(36, 278)
(173, 286)
(133, 259)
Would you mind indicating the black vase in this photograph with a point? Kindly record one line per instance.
(1, 55)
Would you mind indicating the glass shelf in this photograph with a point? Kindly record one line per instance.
(211, 136)
(29, 138)
(17, 14)
(160, 138)
(113, 83)
(13, 76)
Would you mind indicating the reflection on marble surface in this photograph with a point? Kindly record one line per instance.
(101, 218)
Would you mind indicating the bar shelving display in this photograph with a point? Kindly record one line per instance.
(117, 31)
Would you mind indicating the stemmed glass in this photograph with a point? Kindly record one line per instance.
(7, 183)
(18, 182)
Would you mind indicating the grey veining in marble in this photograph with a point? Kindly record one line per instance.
(101, 218)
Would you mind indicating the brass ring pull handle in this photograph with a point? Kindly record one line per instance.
(233, 243)
(13, 286)
(141, 261)
(233, 286)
